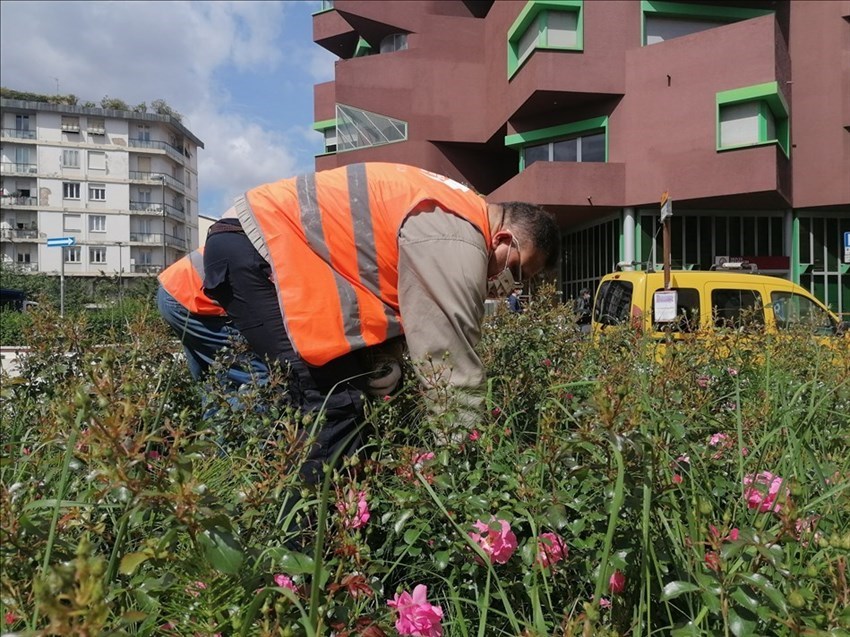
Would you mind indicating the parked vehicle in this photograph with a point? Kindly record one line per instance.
(707, 301)
(15, 300)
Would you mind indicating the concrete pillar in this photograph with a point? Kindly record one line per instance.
(629, 237)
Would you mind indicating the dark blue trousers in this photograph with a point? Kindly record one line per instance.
(240, 280)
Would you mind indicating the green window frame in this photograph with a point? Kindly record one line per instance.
(717, 13)
(322, 127)
(520, 141)
(528, 19)
(769, 98)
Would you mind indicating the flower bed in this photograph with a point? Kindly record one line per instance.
(605, 491)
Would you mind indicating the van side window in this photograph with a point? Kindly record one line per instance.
(687, 312)
(613, 303)
(794, 311)
(737, 309)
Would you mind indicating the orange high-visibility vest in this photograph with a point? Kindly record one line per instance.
(331, 239)
(184, 280)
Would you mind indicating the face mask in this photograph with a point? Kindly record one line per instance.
(503, 283)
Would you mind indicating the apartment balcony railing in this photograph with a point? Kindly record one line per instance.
(156, 238)
(157, 208)
(27, 266)
(151, 238)
(145, 268)
(151, 177)
(14, 168)
(70, 128)
(14, 202)
(173, 151)
(12, 234)
(14, 133)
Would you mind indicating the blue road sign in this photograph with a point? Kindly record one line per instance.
(61, 242)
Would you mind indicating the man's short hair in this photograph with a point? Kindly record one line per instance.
(536, 224)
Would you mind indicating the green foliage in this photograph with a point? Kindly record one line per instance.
(67, 100)
(135, 501)
(113, 104)
(161, 107)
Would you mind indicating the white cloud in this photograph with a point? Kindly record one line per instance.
(177, 51)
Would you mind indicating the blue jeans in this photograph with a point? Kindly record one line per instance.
(205, 337)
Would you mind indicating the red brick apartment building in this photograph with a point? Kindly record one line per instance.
(594, 108)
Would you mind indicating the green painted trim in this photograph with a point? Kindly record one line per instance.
(362, 48)
(518, 140)
(323, 11)
(770, 96)
(324, 124)
(695, 11)
(796, 270)
(707, 11)
(527, 17)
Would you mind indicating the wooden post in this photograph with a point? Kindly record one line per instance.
(666, 213)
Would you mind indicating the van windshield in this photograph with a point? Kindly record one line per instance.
(613, 303)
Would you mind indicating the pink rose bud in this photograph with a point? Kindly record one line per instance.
(617, 583)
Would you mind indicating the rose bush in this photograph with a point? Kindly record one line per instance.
(616, 491)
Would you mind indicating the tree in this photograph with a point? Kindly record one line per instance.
(161, 107)
(113, 103)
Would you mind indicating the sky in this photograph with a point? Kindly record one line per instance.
(241, 74)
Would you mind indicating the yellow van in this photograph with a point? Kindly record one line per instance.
(705, 301)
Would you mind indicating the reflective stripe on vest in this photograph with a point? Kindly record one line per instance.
(184, 280)
(326, 236)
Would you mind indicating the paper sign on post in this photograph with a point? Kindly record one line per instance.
(664, 305)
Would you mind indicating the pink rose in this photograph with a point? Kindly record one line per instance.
(194, 589)
(732, 371)
(421, 459)
(10, 618)
(499, 544)
(712, 560)
(604, 602)
(733, 533)
(551, 549)
(415, 615)
(355, 515)
(763, 491)
(617, 582)
(284, 581)
(677, 479)
(474, 435)
(719, 439)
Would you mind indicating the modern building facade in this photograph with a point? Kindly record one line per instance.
(123, 185)
(594, 108)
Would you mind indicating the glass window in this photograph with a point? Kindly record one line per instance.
(737, 309)
(71, 159)
(24, 257)
(70, 190)
(613, 303)
(536, 153)
(565, 150)
(357, 128)
(97, 255)
(687, 312)
(72, 223)
(795, 311)
(528, 40)
(97, 125)
(660, 28)
(72, 255)
(97, 223)
(97, 160)
(144, 132)
(561, 28)
(22, 122)
(97, 192)
(593, 147)
(739, 124)
(70, 124)
(394, 42)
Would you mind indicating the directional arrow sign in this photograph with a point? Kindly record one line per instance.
(61, 242)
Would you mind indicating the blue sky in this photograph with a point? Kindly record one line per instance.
(241, 73)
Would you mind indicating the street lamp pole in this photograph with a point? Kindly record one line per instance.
(120, 272)
(161, 179)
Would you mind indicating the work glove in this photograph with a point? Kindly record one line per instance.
(385, 361)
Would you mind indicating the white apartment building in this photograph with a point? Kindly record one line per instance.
(124, 185)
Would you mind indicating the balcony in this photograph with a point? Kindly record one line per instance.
(26, 266)
(18, 234)
(14, 168)
(18, 202)
(156, 238)
(14, 133)
(70, 128)
(145, 268)
(171, 151)
(151, 177)
(150, 207)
